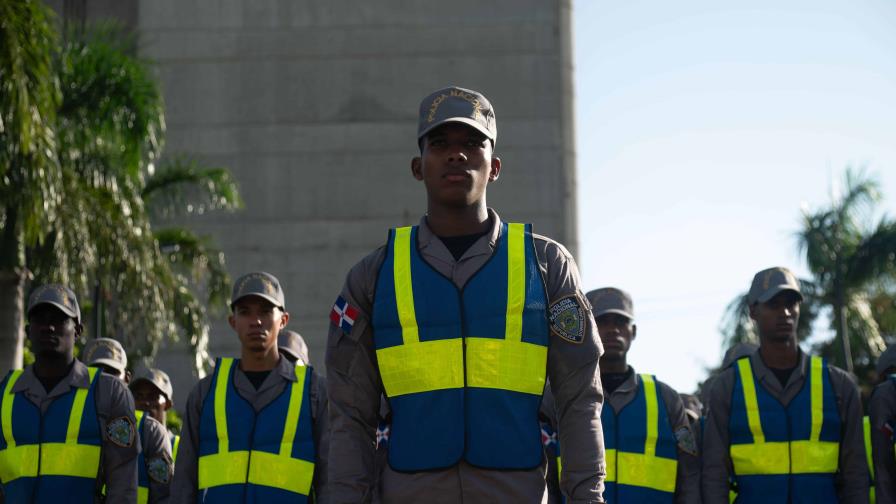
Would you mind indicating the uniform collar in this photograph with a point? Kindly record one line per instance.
(631, 383)
(429, 242)
(286, 369)
(77, 377)
(764, 374)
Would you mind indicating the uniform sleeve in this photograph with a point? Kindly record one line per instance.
(687, 480)
(115, 409)
(716, 463)
(575, 384)
(353, 389)
(852, 476)
(185, 485)
(321, 430)
(157, 455)
(882, 409)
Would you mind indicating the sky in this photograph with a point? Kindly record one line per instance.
(703, 129)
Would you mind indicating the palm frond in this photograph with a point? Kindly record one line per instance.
(182, 186)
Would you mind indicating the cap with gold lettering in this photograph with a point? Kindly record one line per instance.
(611, 300)
(769, 282)
(57, 295)
(258, 283)
(107, 352)
(456, 104)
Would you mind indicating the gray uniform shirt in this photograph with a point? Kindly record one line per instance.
(355, 389)
(157, 456)
(687, 481)
(185, 487)
(882, 410)
(118, 460)
(852, 475)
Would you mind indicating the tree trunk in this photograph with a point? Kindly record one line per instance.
(12, 293)
(842, 328)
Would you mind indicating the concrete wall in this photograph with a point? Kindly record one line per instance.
(313, 105)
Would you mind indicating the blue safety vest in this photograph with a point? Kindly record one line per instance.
(784, 454)
(54, 456)
(248, 456)
(463, 369)
(641, 450)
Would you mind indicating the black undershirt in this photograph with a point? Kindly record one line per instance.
(458, 245)
(50, 383)
(612, 381)
(783, 374)
(257, 377)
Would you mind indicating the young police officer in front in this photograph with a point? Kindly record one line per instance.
(254, 430)
(471, 315)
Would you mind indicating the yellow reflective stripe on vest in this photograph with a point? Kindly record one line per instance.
(807, 456)
(221, 405)
(866, 430)
(509, 363)
(142, 495)
(278, 470)
(52, 459)
(175, 448)
(653, 417)
(416, 366)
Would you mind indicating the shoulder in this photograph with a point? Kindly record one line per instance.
(550, 250)
(113, 394)
(668, 393)
(841, 380)
(722, 385)
(154, 433)
(361, 280)
(199, 392)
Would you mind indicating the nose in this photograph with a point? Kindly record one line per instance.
(456, 154)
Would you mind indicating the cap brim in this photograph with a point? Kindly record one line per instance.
(65, 309)
(270, 299)
(463, 120)
(108, 362)
(154, 384)
(617, 311)
(775, 290)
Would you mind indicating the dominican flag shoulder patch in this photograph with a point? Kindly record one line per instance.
(343, 315)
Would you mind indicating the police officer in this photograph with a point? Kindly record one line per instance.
(154, 469)
(293, 346)
(255, 430)
(882, 412)
(467, 307)
(153, 395)
(784, 425)
(651, 446)
(67, 430)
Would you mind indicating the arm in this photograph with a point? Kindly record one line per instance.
(687, 480)
(852, 474)
(575, 384)
(882, 409)
(716, 464)
(157, 454)
(119, 456)
(320, 413)
(185, 485)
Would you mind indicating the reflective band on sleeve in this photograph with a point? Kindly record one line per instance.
(749, 386)
(221, 405)
(516, 281)
(507, 365)
(404, 289)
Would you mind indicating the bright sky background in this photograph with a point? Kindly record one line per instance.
(702, 129)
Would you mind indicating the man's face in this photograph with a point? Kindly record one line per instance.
(52, 333)
(257, 322)
(616, 333)
(777, 318)
(148, 398)
(456, 165)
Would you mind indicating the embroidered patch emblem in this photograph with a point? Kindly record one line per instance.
(567, 319)
(686, 441)
(159, 470)
(121, 431)
(343, 315)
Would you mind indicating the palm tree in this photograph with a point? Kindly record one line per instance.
(852, 261)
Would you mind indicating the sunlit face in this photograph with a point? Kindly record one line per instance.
(456, 165)
(51, 332)
(777, 318)
(257, 322)
(616, 333)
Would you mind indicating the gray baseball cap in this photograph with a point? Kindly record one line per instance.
(292, 343)
(158, 378)
(611, 300)
(105, 351)
(57, 295)
(886, 360)
(258, 283)
(456, 104)
(769, 282)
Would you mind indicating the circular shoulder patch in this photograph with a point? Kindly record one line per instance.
(567, 318)
(121, 432)
(159, 470)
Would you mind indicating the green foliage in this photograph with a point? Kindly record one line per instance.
(173, 421)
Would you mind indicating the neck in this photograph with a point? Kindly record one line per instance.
(616, 366)
(780, 354)
(457, 221)
(259, 361)
(52, 366)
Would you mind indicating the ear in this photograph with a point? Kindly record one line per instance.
(753, 311)
(634, 331)
(284, 319)
(127, 376)
(168, 404)
(496, 169)
(417, 168)
(232, 321)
